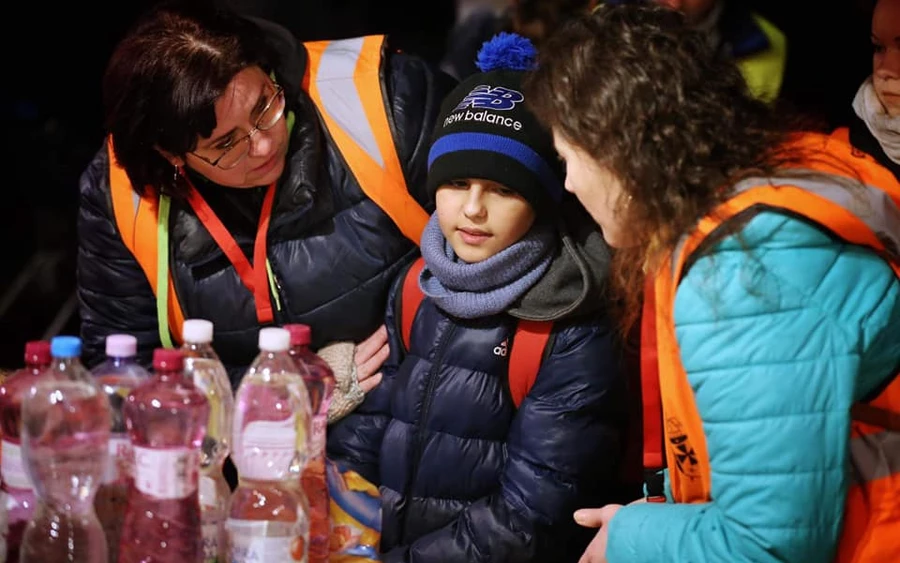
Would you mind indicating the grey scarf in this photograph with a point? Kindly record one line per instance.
(488, 287)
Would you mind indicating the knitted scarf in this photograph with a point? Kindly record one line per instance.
(488, 287)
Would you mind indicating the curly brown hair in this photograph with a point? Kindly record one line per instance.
(647, 97)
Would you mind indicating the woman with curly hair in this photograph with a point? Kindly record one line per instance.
(766, 262)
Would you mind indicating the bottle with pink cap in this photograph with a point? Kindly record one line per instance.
(203, 366)
(14, 480)
(267, 520)
(166, 419)
(319, 380)
(117, 376)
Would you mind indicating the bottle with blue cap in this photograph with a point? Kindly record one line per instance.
(65, 440)
(66, 362)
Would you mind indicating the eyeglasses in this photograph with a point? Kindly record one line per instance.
(268, 118)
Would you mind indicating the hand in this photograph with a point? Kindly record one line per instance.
(370, 354)
(596, 518)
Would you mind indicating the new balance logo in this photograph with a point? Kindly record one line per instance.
(485, 97)
(501, 349)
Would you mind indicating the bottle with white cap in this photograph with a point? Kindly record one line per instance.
(203, 366)
(117, 376)
(267, 519)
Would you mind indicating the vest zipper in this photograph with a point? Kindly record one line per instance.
(419, 436)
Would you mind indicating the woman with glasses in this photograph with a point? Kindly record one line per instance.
(251, 180)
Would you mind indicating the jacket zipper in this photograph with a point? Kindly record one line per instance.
(419, 436)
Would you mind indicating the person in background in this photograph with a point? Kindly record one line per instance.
(766, 259)
(737, 31)
(876, 129)
(473, 464)
(251, 180)
(534, 19)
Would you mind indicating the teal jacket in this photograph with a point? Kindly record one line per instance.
(781, 327)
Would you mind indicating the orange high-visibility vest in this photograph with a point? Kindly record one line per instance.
(343, 78)
(864, 216)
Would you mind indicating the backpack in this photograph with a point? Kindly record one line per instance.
(531, 342)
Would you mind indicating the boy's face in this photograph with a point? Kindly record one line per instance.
(480, 217)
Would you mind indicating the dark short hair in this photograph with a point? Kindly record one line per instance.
(163, 79)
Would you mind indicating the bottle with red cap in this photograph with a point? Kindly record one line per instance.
(16, 484)
(166, 420)
(319, 379)
(117, 376)
(268, 520)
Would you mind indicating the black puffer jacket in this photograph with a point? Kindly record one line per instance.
(333, 251)
(464, 475)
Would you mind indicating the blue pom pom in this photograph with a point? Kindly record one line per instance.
(506, 51)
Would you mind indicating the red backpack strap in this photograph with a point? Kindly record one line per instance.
(528, 349)
(651, 399)
(410, 299)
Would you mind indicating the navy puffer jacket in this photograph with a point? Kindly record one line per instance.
(333, 251)
(464, 475)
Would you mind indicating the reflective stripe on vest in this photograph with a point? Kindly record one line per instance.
(343, 79)
(764, 71)
(859, 201)
(143, 226)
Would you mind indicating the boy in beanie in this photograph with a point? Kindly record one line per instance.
(482, 438)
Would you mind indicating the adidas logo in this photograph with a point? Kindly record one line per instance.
(501, 349)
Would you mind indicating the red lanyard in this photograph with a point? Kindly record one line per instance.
(255, 277)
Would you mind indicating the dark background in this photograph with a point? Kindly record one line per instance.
(51, 115)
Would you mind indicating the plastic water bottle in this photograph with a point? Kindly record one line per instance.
(203, 366)
(65, 439)
(117, 376)
(166, 419)
(16, 485)
(319, 380)
(267, 521)
(65, 362)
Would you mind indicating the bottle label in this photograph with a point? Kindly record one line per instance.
(318, 432)
(12, 467)
(118, 464)
(166, 474)
(254, 541)
(207, 491)
(267, 448)
(212, 533)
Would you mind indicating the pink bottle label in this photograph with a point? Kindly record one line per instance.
(118, 465)
(317, 435)
(166, 474)
(12, 467)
